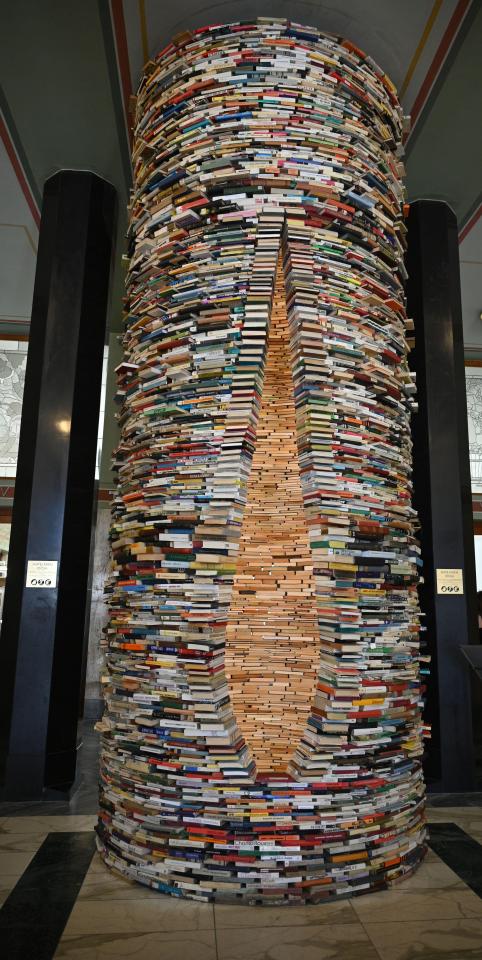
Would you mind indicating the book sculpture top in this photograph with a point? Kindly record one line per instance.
(262, 736)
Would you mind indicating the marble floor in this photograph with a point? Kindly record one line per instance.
(58, 900)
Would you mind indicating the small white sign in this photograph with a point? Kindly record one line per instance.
(450, 581)
(42, 574)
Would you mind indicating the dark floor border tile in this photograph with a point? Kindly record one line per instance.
(34, 915)
(459, 851)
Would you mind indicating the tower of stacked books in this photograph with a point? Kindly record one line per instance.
(262, 736)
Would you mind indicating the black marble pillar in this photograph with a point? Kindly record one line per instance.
(41, 641)
(442, 487)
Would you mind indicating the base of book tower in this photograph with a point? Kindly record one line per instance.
(298, 866)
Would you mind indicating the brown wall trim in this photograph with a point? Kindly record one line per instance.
(12, 336)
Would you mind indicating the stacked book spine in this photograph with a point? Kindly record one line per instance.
(262, 735)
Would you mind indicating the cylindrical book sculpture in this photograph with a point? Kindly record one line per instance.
(262, 737)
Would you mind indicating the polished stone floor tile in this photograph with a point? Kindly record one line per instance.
(455, 800)
(20, 842)
(227, 916)
(32, 808)
(15, 862)
(428, 940)
(470, 825)
(34, 914)
(429, 916)
(460, 851)
(404, 904)
(433, 873)
(433, 892)
(468, 818)
(106, 885)
(139, 916)
(314, 942)
(47, 824)
(168, 945)
(6, 886)
(475, 832)
(98, 866)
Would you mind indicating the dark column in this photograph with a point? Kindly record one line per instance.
(42, 631)
(442, 486)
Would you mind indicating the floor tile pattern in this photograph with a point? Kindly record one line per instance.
(434, 915)
(35, 911)
(460, 851)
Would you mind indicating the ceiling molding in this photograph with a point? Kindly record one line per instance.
(420, 47)
(18, 160)
(14, 329)
(122, 58)
(117, 90)
(143, 29)
(471, 219)
(439, 67)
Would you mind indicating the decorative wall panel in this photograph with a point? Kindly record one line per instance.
(13, 361)
(262, 737)
(473, 387)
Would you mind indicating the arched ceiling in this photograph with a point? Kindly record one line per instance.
(68, 69)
